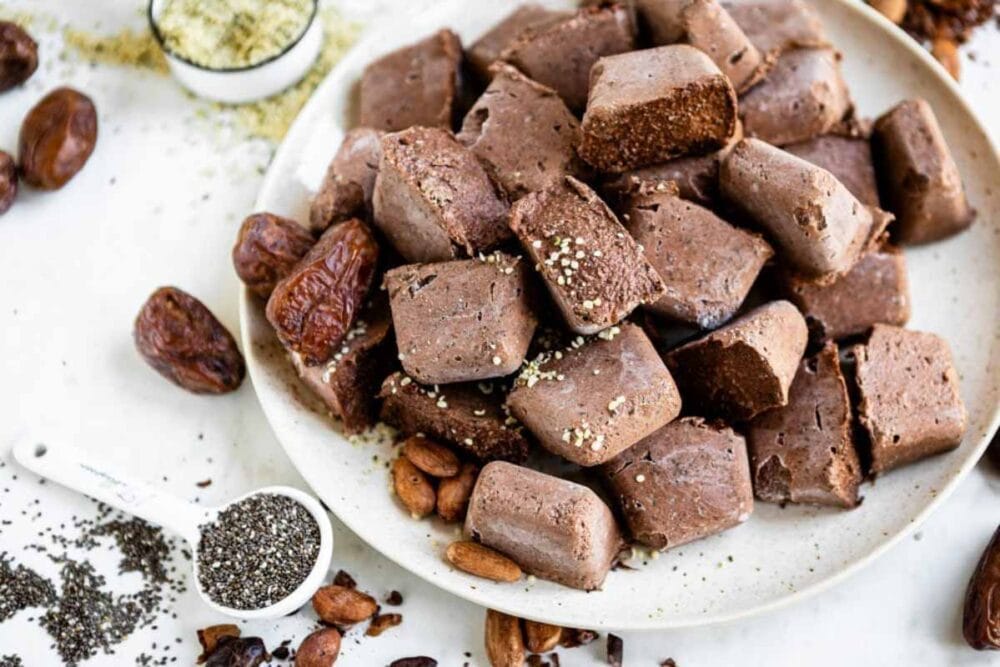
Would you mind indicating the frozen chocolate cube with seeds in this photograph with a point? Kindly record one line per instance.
(470, 416)
(523, 133)
(918, 175)
(820, 228)
(560, 54)
(804, 452)
(553, 528)
(487, 49)
(707, 265)
(347, 187)
(686, 481)
(348, 382)
(646, 107)
(848, 158)
(910, 403)
(594, 270)
(709, 28)
(744, 368)
(434, 200)
(591, 401)
(803, 96)
(414, 85)
(462, 320)
(875, 291)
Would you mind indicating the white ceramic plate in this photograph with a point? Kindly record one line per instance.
(779, 555)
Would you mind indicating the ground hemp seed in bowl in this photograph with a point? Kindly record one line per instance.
(257, 551)
(231, 34)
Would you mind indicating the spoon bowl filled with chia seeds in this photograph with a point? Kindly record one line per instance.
(261, 555)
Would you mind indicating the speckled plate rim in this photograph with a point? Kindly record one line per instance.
(481, 596)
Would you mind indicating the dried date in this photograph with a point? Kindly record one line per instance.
(236, 652)
(315, 305)
(18, 55)
(8, 181)
(267, 249)
(981, 620)
(184, 342)
(57, 138)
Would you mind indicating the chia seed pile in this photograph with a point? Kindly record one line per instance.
(270, 536)
(81, 612)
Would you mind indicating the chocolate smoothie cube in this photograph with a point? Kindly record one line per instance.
(347, 188)
(918, 175)
(662, 19)
(875, 291)
(804, 452)
(592, 267)
(553, 528)
(559, 55)
(348, 382)
(745, 367)
(470, 416)
(462, 320)
(707, 265)
(433, 199)
(803, 96)
(686, 481)
(819, 226)
(523, 133)
(414, 85)
(710, 28)
(849, 159)
(910, 402)
(646, 107)
(487, 49)
(696, 176)
(595, 399)
(776, 26)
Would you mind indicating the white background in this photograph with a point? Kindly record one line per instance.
(159, 203)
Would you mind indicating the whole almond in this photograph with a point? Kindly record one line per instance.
(894, 10)
(453, 493)
(946, 52)
(319, 649)
(541, 637)
(339, 605)
(481, 561)
(504, 641)
(413, 488)
(433, 458)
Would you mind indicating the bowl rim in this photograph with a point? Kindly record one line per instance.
(246, 300)
(170, 53)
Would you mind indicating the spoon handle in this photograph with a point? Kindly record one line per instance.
(64, 466)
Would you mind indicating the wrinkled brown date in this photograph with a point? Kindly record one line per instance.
(981, 620)
(237, 652)
(266, 250)
(180, 338)
(18, 55)
(313, 308)
(57, 137)
(8, 181)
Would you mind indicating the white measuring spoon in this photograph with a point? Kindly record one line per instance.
(64, 466)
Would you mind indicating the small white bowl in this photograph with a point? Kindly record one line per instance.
(239, 85)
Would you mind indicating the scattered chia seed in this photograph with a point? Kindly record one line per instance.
(269, 536)
(21, 588)
(10, 661)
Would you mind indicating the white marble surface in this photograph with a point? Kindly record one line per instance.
(159, 203)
